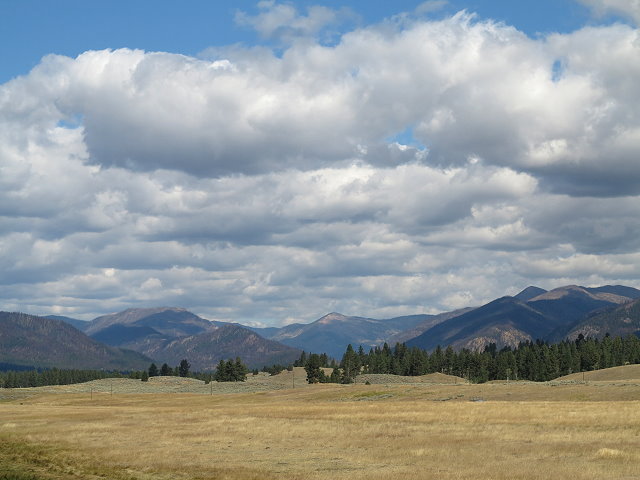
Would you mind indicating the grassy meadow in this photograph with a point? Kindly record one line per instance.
(516, 430)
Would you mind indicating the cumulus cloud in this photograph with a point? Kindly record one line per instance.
(466, 88)
(626, 8)
(283, 21)
(276, 187)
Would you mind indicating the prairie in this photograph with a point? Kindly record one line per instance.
(425, 430)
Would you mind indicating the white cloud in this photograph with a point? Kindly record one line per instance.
(627, 8)
(431, 6)
(268, 188)
(284, 22)
(467, 89)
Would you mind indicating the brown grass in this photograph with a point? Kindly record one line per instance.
(423, 431)
(613, 374)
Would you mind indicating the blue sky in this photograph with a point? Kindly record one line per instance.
(30, 29)
(269, 162)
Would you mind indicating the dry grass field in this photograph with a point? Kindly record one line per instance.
(517, 430)
(626, 373)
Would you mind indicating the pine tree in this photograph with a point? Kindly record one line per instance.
(336, 376)
(239, 371)
(315, 374)
(183, 369)
(165, 371)
(153, 370)
(350, 365)
(220, 375)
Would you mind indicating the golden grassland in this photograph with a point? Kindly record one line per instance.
(516, 430)
(625, 373)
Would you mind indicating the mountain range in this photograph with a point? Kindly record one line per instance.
(532, 314)
(331, 333)
(168, 334)
(45, 342)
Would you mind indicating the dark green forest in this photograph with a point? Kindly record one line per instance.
(54, 376)
(16, 376)
(536, 361)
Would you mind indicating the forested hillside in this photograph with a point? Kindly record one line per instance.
(536, 361)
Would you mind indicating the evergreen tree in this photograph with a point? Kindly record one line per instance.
(239, 371)
(220, 375)
(350, 365)
(165, 371)
(302, 361)
(231, 371)
(336, 376)
(183, 369)
(153, 370)
(315, 374)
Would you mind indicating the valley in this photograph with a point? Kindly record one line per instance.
(431, 429)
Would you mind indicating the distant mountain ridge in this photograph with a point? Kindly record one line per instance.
(79, 324)
(617, 322)
(43, 342)
(169, 334)
(532, 314)
(205, 350)
(505, 321)
(529, 293)
(170, 321)
(166, 333)
(332, 333)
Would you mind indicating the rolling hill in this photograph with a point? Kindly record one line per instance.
(613, 374)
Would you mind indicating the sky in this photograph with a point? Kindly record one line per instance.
(270, 162)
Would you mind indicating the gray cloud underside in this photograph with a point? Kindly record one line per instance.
(264, 188)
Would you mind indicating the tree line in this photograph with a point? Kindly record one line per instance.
(54, 376)
(536, 361)
(15, 376)
(226, 371)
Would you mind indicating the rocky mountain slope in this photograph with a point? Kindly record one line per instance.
(205, 350)
(618, 322)
(173, 322)
(44, 342)
(525, 317)
(505, 321)
(170, 334)
(74, 322)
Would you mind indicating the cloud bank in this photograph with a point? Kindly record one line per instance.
(412, 166)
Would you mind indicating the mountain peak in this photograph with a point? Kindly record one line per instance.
(530, 292)
(332, 317)
(603, 294)
(161, 318)
(561, 292)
